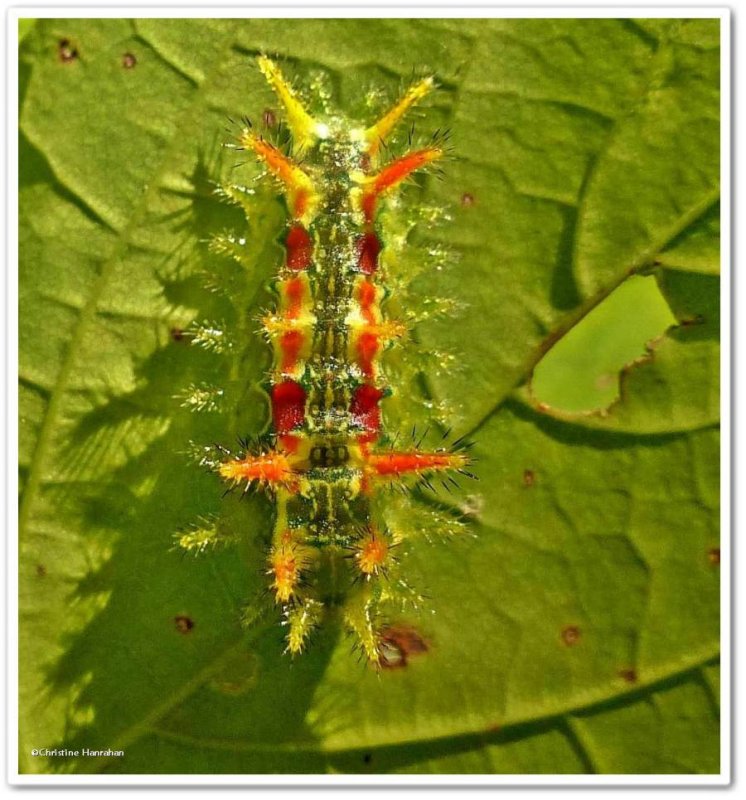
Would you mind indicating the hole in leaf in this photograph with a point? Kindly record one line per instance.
(581, 371)
(713, 556)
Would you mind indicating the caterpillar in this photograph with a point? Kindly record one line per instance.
(329, 463)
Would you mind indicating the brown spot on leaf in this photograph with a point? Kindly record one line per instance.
(571, 635)
(269, 118)
(398, 643)
(367, 758)
(177, 334)
(66, 51)
(183, 623)
(467, 200)
(529, 477)
(129, 61)
(713, 556)
(628, 675)
(41, 570)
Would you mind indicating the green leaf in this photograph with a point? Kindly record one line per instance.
(577, 630)
(581, 372)
(25, 26)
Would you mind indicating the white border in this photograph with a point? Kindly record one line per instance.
(331, 10)
(337, 9)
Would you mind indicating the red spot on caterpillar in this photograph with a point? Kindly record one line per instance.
(369, 206)
(293, 290)
(367, 348)
(288, 406)
(299, 248)
(369, 246)
(300, 206)
(367, 296)
(289, 443)
(290, 344)
(364, 407)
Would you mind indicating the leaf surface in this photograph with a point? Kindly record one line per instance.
(577, 631)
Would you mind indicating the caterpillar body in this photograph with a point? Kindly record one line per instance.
(331, 463)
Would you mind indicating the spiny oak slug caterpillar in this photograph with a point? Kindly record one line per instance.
(328, 462)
